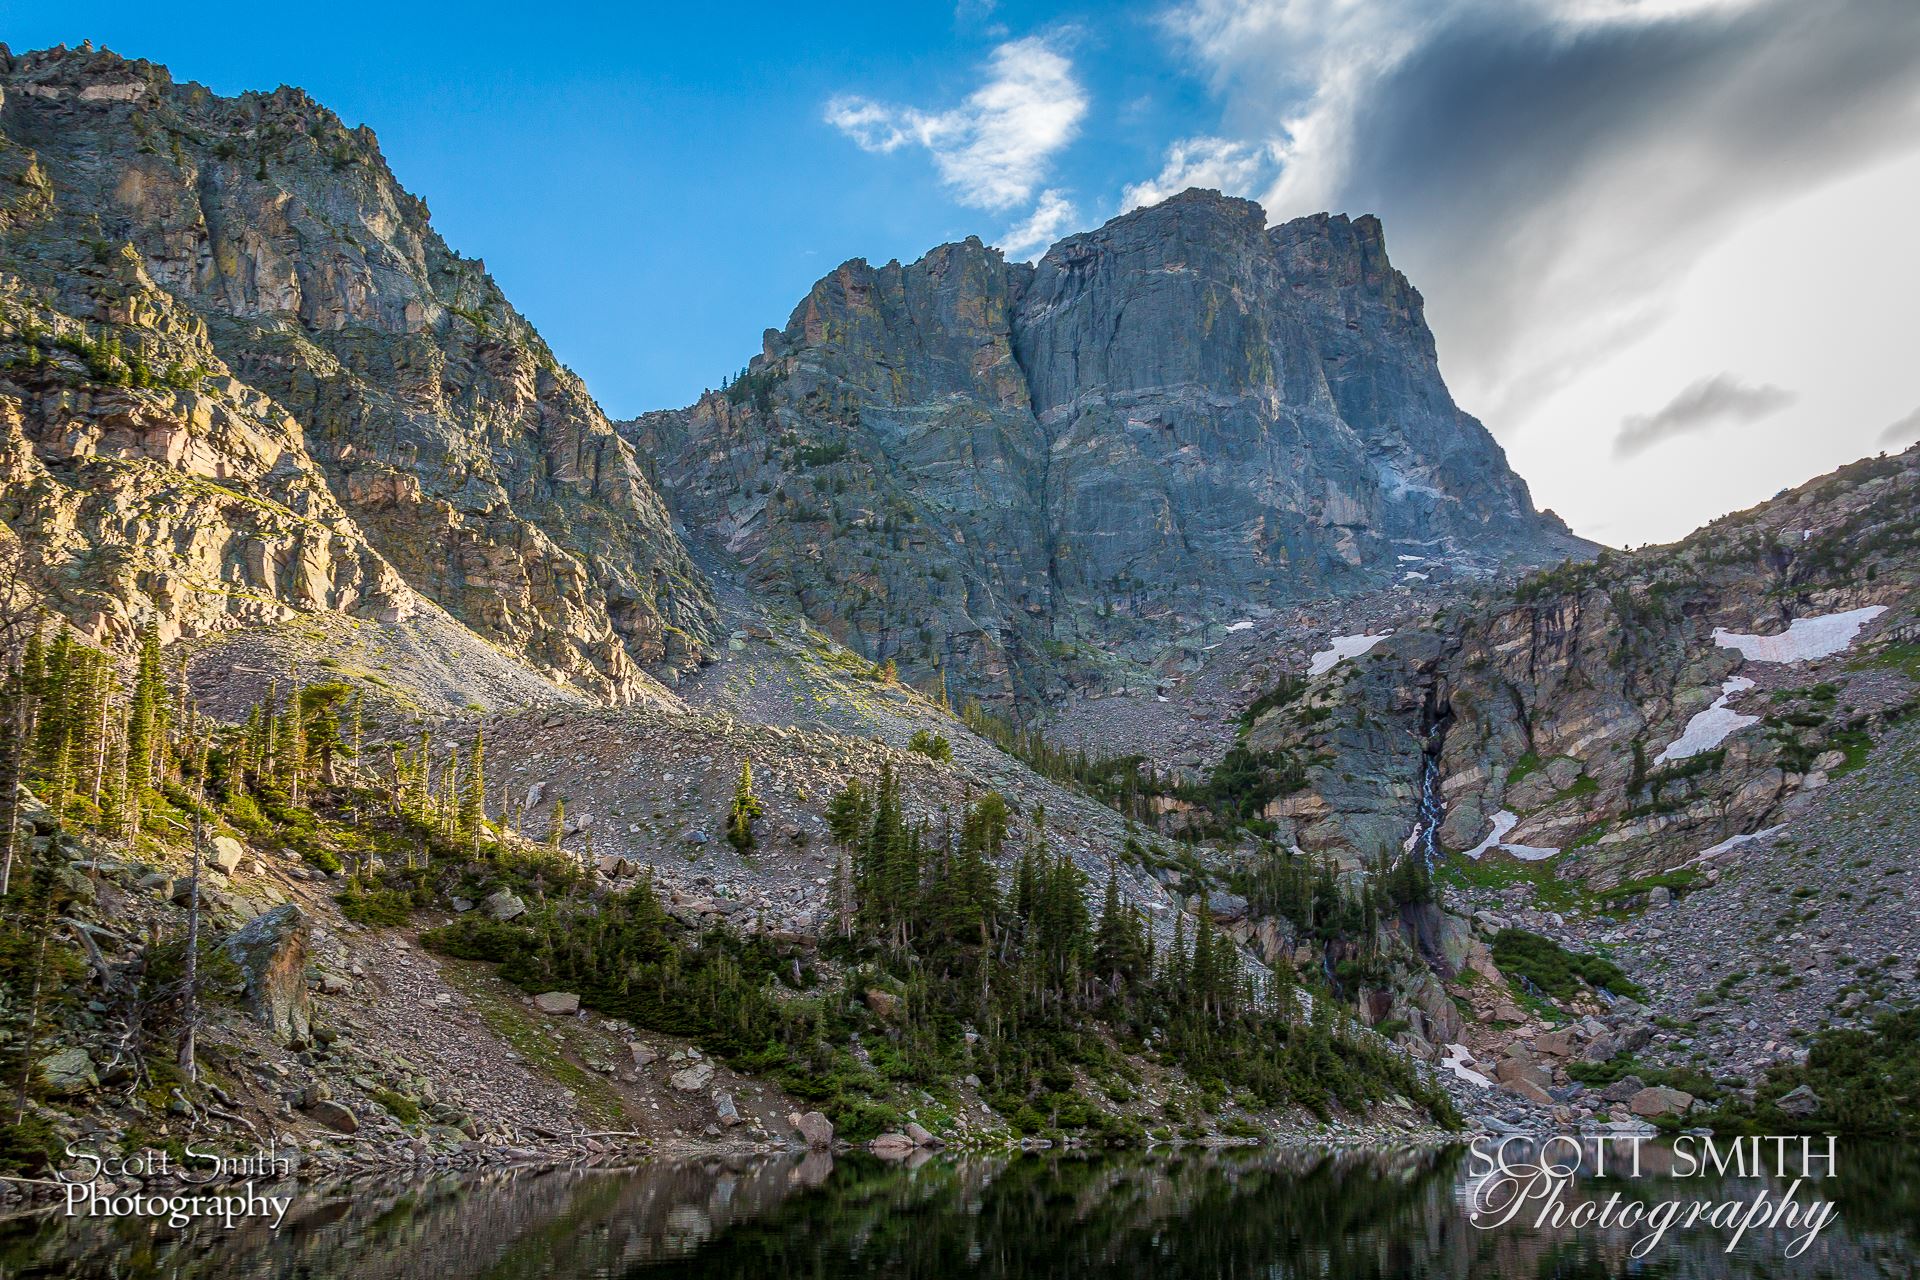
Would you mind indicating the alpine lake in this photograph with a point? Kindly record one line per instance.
(1332, 1214)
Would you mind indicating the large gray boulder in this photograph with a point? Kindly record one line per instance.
(271, 951)
(814, 1129)
(503, 905)
(68, 1072)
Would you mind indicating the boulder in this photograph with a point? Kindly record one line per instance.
(1636, 1037)
(920, 1135)
(1622, 1089)
(814, 1129)
(728, 1113)
(335, 1115)
(1524, 1088)
(1226, 907)
(559, 1002)
(1660, 1101)
(1554, 1044)
(503, 905)
(1802, 1103)
(694, 1078)
(226, 854)
(892, 1146)
(68, 1072)
(271, 951)
(1601, 1048)
(1508, 1070)
(884, 1004)
(643, 1054)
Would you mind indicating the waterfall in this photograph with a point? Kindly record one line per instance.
(1426, 831)
(1431, 811)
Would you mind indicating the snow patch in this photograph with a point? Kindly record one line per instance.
(1344, 647)
(1733, 842)
(1804, 639)
(1410, 575)
(1411, 559)
(1456, 1061)
(1503, 822)
(1238, 626)
(1709, 728)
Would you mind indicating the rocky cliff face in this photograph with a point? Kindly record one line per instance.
(1620, 714)
(236, 293)
(1013, 476)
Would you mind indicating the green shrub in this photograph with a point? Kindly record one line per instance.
(1555, 970)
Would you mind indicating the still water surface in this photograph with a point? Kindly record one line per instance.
(1279, 1215)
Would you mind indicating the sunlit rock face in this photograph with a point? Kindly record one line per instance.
(292, 327)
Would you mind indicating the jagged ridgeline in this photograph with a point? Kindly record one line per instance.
(1012, 477)
(242, 378)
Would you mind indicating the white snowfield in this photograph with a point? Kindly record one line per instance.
(1344, 647)
(1804, 639)
(1503, 822)
(1456, 1061)
(1731, 843)
(1709, 728)
(1239, 626)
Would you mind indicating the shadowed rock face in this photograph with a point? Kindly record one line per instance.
(290, 296)
(1021, 476)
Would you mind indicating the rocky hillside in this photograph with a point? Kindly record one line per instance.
(1021, 478)
(244, 377)
(1629, 714)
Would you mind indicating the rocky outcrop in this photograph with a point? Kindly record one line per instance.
(1010, 476)
(237, 346)
(1555, 715)
(271, 951)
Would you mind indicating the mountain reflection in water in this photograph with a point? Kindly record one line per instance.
(1348, 1214)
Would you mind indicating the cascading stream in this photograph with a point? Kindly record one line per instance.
(1431, 811)
(1430, 814)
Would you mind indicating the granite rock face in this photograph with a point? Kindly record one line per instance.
(1556, 712)
(1014, 477)
(252, 307)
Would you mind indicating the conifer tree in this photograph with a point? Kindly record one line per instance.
(473, 794)
(557, 825)
(745, 808)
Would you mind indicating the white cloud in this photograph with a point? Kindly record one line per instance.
(995, 149)
(1218, 164)
(1052, 217)
(1552, 173)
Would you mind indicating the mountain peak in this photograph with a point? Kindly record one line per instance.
(990, 473)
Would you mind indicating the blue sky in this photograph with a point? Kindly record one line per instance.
(1636, 222)
(653, 186)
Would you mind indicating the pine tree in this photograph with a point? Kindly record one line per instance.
(848, 814)
(745, 808)
(1118, 952)
(296, 734)
(557, 825)
(473, 796)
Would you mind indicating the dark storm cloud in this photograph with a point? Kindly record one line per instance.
(1540, 172)
(1703, 404)
(1903, 432)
